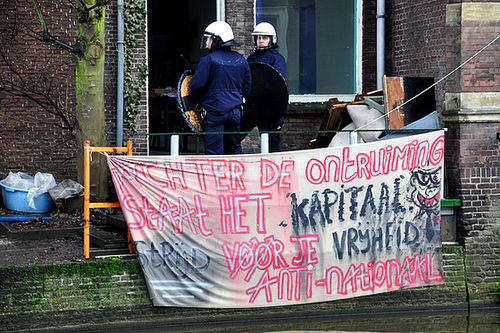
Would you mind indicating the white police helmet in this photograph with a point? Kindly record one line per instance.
(220, 34)
(265, 29)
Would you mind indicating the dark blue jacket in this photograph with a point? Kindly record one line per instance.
(271, 57)
(221, 81)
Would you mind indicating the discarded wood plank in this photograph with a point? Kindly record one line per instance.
(378, 92)
(393, 99)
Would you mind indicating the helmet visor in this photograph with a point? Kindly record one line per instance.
(262, 42)
(206, 41)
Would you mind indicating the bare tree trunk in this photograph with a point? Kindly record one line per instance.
(90, 98)
(87, 120)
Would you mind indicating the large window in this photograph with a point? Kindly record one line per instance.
(318, 39)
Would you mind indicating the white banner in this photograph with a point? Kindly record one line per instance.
(285, 228)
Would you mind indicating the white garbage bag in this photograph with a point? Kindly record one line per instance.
(19, 180)
(43, 182)
(66, 189)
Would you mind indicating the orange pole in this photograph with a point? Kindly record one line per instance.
(129, 148)
(129, 238)
(86, 199)
(86, 193)
(104, 205)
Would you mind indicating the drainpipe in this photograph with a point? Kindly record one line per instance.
(120, 84)
(380, 42)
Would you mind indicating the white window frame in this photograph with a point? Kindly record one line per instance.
(315, 98)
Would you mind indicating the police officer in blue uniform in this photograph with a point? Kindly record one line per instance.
(265, 43)
(221, 81)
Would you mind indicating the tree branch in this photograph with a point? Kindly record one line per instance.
(41, 94)
(76, 49)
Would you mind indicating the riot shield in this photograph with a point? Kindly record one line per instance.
(187, 105)
(268, 97)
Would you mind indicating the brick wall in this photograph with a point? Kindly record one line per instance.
(481, 74)
(430, 39)
(473, 149)
(142, 119)
(298, 130)
(417, 39)
(140, 142)
(369, 45)
(58, 290)
(240, 16)
(114, 291)
(473, 166)
(32, 139)
(110, 72)
(483, 266)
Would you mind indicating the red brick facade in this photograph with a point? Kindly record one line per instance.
(61, 161)
(472, 114)
(110, 73)
(32, 139)
(473, 156)
(423, 39)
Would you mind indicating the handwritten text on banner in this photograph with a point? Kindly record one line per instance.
(285, 228)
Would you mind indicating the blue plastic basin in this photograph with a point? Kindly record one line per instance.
(16, 199)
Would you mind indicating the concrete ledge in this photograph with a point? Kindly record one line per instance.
(472, 107)
(481, 11)
(471, 116)
(472, 12)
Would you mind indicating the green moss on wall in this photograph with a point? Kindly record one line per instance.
(60, 286)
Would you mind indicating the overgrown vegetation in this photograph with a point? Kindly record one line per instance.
(134, 80)
(36, 281)
(49, 86)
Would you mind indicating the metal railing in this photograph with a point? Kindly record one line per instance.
(174, 151)
(264, 135)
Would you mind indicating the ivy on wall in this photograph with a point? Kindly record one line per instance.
(134, 16)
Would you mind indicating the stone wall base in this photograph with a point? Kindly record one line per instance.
(114, 291)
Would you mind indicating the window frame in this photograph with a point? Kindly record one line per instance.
(315, 98)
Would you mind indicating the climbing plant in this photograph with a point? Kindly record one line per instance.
(134, 17)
